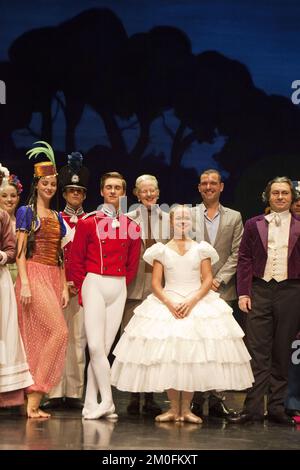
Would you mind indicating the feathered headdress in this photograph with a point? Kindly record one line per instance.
(75, 161)
(47, 168)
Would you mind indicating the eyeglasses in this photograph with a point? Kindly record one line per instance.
(146, 191)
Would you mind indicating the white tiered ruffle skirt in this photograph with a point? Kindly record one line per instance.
(204, 351)
(14, 369)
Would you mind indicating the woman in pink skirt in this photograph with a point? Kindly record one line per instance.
(41, 287)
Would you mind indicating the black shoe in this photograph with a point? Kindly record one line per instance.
(220, 410)
(134, 407)
(73, 403)
(292, 412)
(151, 408)
(197, 409)
(53, 404)
(281, 418)
(243, 418)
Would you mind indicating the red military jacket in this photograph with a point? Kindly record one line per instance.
(105, 245)
(68, 240)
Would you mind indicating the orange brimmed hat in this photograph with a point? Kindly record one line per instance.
(46, 168)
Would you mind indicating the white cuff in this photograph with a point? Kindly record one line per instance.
(4, 258)
(244, 297)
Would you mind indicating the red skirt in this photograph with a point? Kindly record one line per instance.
(43, 327)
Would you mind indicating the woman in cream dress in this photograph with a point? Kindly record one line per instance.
(183, 337)
(14, 370)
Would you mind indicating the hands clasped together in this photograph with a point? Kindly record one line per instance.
(182, 309)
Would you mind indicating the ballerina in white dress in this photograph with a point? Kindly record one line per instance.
(183, 337)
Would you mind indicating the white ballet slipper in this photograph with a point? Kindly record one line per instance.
(110, 416)
(102, 411)
(90, 408)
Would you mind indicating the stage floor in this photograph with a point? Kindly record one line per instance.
(66, 430)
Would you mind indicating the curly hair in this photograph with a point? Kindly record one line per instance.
(279, 179)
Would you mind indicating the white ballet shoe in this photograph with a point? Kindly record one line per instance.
(91, 408)
(111, 416)
(86, 410)
(102, 411)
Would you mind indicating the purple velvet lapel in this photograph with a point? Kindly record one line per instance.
(262, 227)
(294, 233)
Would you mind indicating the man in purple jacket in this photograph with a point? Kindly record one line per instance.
(268, 285)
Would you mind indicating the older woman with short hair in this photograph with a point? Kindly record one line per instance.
(154, 224)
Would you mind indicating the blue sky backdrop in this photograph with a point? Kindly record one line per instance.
(262, 34)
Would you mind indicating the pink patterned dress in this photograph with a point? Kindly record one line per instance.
(42, 323)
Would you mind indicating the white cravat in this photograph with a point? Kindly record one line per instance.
(274, 217)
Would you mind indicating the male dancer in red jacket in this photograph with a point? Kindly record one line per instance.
(104, 258)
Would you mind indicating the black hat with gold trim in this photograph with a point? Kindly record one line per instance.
(74, 174)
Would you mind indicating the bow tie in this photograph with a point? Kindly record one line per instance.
(274, 218)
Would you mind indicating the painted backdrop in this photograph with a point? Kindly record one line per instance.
(167, 87)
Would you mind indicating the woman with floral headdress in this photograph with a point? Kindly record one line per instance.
(41, 287)
(9, 199)
(14, 370)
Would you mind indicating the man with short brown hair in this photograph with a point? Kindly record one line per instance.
(222, 228)
(104, 259)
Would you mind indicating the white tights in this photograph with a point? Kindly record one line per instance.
(103, 303)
